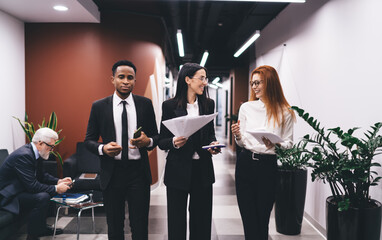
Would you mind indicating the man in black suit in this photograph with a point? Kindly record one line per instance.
(125, 169)
(23, 185)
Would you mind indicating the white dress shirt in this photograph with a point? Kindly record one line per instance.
(192, 111)
(134, 153)
(131, 123)
(253, 116)
(36, 153)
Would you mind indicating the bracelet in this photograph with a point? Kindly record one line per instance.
(237, 137)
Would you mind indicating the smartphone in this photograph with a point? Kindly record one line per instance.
(213, 146)
(137, 133)
(71, 184)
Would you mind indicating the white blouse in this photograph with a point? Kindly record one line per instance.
(192, 111)
(253, 116)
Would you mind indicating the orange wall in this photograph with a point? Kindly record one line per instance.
(68, 66)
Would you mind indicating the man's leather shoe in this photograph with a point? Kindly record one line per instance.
(49, 231)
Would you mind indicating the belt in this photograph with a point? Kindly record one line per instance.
(258, 157)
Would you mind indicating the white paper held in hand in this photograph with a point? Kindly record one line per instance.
(260, 133)
(185, 126)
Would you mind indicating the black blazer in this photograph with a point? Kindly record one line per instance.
(179, 161)
(18, 174)
(101, 124)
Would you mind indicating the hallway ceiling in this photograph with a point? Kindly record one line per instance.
(220, 27)
(42, 10)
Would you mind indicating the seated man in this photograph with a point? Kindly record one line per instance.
(23, 185)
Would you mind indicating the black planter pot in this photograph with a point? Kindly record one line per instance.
(290, 201)
(354, 223)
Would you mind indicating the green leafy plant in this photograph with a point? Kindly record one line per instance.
(293, 158)
(346, 168)
(29, 130)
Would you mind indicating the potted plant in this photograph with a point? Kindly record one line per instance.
(29, 130)
(347, 168)
(290, 198)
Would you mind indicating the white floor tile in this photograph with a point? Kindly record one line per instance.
(228, 227)
(226, 212)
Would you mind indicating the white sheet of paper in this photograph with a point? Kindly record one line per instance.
(185, 126)
(259, 133)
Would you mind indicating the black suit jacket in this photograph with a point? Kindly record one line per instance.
(101, 124)
(18, 174)
(179, 161)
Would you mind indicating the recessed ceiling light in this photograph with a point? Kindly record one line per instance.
(60, 8)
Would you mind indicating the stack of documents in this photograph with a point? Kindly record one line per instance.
(70, 198)
(185, 126)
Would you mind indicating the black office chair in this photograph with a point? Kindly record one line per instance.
(80, 163)
(3, 155)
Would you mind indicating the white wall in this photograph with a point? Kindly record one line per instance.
(12, 81)
(331, 66)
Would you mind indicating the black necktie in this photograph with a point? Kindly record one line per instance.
(125, 139)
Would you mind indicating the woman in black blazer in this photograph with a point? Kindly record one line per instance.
(189, 170)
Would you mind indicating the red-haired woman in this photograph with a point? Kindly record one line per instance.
(256, 167)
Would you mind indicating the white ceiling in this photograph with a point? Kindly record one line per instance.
(42, 10)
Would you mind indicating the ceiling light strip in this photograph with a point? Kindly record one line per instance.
(284, 1)
(179, 37)
(253, 38)
(204, 58)
(219, 85)
(217, 79)
(213, 86)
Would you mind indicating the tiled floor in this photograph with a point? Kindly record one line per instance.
(226, 223)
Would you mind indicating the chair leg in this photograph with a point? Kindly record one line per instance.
(78, 224)
(55, 222)
(91, 200)
(93, 219)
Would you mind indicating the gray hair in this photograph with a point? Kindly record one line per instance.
(44, 135)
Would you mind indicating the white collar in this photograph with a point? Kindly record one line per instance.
(36, 154)
(195, 104)
(117, 100)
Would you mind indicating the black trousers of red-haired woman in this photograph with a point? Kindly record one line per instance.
(256, 184)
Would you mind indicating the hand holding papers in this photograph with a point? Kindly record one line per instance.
(185, 126)
(260, 133)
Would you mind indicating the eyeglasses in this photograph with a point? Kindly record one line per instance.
(203, 79)
(51, 146)
(256, 83)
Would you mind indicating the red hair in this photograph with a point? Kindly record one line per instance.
(273, 96)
